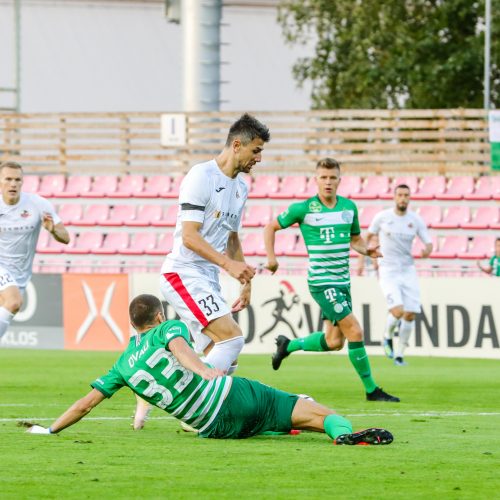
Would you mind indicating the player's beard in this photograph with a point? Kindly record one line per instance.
(402, 208)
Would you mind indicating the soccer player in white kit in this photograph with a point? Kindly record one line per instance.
(21, 217)
(397, 229)
(211, 201)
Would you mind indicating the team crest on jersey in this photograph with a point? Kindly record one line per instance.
(25, 214)
(237, 194)
(410, 225)
(347, 216)
(315, 206)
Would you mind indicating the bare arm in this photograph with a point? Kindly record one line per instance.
(269, 239)
(188, 359)
(359, 244)
(58, 231)
(235, 252)
(192, 239)
(487, 270)
(427, 250)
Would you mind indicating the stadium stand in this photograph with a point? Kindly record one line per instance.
(51, 185)
(430, 187)
(128, 186)
(140, 243)
(373, 187)
(480, 247)
(350, 186)
(457, 188)
(93, 215)
(148, 215)
(86, 243)
(453, 217)
(156, 186)
(257, 215)
(31, 183)
(431, 214)
(450, 247)
(120, 215)
(291, 186)
(264, 186)
(483, 218)
(113, 243)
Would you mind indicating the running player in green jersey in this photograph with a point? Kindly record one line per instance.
(160, 366)
(330, 227)
(494, 263)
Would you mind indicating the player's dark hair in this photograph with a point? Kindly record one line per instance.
(10, 164)
(143, 309)
(246, 129)
(328, 163)
(402, 186)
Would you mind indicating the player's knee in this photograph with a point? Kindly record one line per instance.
(13, 304)
(397, 312)
(335, 344)
(409, 316)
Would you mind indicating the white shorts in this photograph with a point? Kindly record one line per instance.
(197, 300)
(400, 288)
(6, 279)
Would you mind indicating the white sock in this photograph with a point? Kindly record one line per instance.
(404, 335)
(224, 353)
(5, 319)
(390, 326)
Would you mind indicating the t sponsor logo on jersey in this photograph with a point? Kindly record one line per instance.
(95, 312)
(327, 234)
(315, 206)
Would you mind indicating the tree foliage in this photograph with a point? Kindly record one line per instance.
(394, 53)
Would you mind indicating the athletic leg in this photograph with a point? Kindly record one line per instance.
(11, 301)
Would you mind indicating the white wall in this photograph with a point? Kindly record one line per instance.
(125, 56)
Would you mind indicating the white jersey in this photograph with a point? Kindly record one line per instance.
(207, 196)
(396, 235)
(19, 229)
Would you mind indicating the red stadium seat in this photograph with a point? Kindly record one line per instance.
(496, 187)
(264, 186)
(76, 185)
(450, 247)
(418, 246)
(113, 243)
(457, 188)
(156, 186)
(484, 189)
(253, 244)
(140, 243)
(430, 188)
(163, 245)
(102, 186)
(481, 247)
(431, 214)
(454, 217)
(147, 215)
(367, 214)
(174, 188)
(373, 187)
(93, 215)
(257, 215)
(279, 209)
(52, 185)
(484, 218)
(311, 188)
(128, 186)
(43, 241)
(168, 218)
(47, 244)
(292, 186)
(350, 186)
(411, 181)
(284, 244)
(300, 249)
(70, 213)
(86, 243)
(120, 215)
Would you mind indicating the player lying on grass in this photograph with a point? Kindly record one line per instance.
(160, 366)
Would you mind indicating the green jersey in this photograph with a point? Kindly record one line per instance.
(149, 368)
(495, 265)
(327, 235)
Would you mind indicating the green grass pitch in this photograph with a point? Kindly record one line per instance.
(447, 435)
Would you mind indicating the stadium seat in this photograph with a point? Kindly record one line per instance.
(311, 188)
(102, 186)
(43, 241)
(163, 245)
(279, 209)
(457, 188)
(481, 247)
(373, 187)
(113, 243)
(292, 186)
(367, 214)
(350, 186)
(108, 267)
(430, 188)
(283, 245)
(174, 188)
(120, 215)
(249, 181)
(76, 185)
(93, 215)
(156, 186)
(264, 186)
(168, 218)
(496, 187)
(47, 244)
(70, 213)
(418, 246)
(450, 247)
(300, 249)
(253, 244)
(86, 243)
(411, 181)
(31, 183)
(483, 190)
(128, 186)
(140, 243)
(454, 217)
(51, 185)
(485, 217)
(431, 214)
(257, 215)
(147, 215)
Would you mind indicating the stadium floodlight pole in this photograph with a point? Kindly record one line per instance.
(487, 49)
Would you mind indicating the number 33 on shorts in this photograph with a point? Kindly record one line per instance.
(208, 305)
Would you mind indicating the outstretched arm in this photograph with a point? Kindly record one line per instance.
(58, 231)
(269, 239)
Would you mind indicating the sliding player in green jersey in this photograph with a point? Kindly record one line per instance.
(161, 367)
(493, 266)
(330, 227)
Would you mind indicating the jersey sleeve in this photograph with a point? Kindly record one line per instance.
(110, 383)
(46, 207)
(492, 262)
(355, 229)
(170, 330)
(374, 226)
(194, 195)
(294, 213)
(422, 231)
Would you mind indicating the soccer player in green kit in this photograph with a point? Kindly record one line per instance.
(330, 227)
(493, 267)
(160, 366)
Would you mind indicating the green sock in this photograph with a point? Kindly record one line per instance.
(335, 425)
(361, 363)
(314, 342)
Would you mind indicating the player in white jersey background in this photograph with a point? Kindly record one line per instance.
(21, 217)
(396, 228)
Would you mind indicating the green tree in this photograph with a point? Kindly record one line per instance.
(393, 53)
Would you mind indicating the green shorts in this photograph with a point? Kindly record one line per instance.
(335, 302)
(251, 408)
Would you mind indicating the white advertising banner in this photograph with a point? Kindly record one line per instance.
(460, 316)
